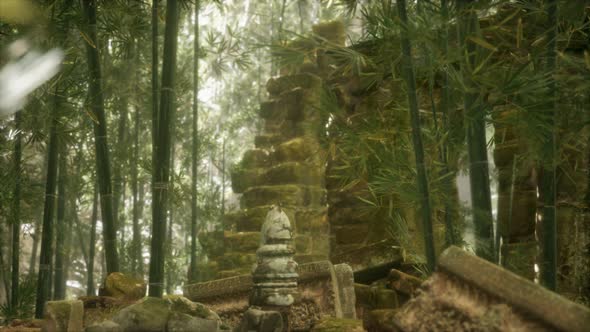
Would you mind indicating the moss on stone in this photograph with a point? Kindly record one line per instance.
(333, 31)
(242, 242)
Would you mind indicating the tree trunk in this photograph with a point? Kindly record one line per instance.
(476, 140)
(161, 153)
(136, 246)
(59, 282)
(195, 148)
(43, 278)
(92, 242)
(451, 236)
(103, 167)
(223, 179)
(118, 179)
(37, 235)
(154, 74)
(422, 181)
(14, 296)
(80, 236)
(548, 276)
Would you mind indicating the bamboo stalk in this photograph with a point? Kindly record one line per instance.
(422, 181)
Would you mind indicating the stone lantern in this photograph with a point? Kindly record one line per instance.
(275, 273)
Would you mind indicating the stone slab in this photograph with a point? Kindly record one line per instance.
(66, 316)
(372, 262)
(547, 307)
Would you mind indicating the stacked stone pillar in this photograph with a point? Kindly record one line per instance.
(286, 168)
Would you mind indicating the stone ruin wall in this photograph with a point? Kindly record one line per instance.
(289, 166)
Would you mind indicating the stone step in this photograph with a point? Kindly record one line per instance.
(288, 195)
(241, 242)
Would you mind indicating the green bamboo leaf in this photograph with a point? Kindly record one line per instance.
(483, 43)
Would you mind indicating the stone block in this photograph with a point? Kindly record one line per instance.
(345, 289)
(351, 234)
(314, 220)
(276, 86)
(348, 216)
(284, 128)
(271, 110)
(372, 259)
(244, 178)
(285, 195)
(333, 31)
(149, 315)
(123, 286)
(303, 244)
(298, 149)
(293, 173)
(67, 316)
(321, 244)
(255, 158)
(242, 242)
(212, 242)
(232, 260)
(246, 220)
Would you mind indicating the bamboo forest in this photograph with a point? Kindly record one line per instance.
(294, 165)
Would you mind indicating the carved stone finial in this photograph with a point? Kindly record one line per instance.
(275, 275)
